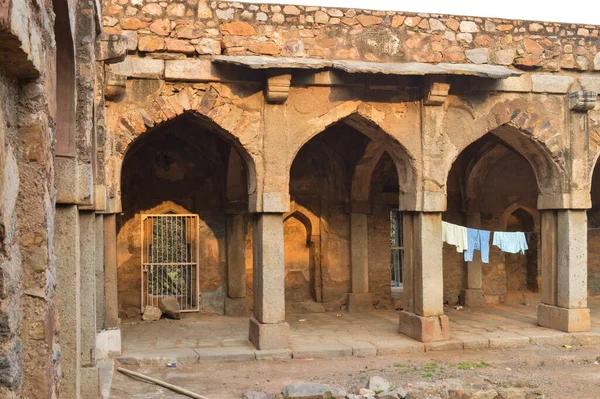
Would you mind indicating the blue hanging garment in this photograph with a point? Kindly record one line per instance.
(478, 239)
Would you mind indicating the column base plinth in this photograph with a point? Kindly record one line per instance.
(472, 297)
(358, 302)
(563, 319)
(424, 329)
(269, 336)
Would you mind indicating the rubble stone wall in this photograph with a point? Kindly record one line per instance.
(197, 27)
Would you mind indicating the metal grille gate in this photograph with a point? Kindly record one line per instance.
(170, 260)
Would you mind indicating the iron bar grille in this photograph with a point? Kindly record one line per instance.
(169, 260)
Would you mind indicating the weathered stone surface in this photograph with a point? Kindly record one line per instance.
(131, 39)
(369, 20)
(237, 29)
(532, 47)
(204, 11)
(378, 384)
(478, 56)
(551, 83)
(321, 17)
(144, 68)
(469, 27)
(504, 56)
(151, 313)
(169, 307)
(208, 46)
(291, 10)
(133, 23)
(226, 15)
(266, 48)
(179, 46)
(161, 27)
(273, 62)
(151, 43)
(312, 391)
(597, 62)
(11, 363)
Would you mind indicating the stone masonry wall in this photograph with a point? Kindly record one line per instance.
(197, 28)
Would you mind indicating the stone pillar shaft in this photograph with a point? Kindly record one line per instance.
(236, 259)
(360, 298)
(268, 329)
(564, 271)
(68, 294)
(359, 251)
(423, 317)
(87, 241)
(473, 294)
(99, 255)
(110, 272)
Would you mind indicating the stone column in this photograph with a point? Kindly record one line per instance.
(564, 271)
(87, 242)
(473, 295)
(110, 272)
(423, 318)
(99, 255)
(68, 294)
(236, 303)
(268, 329)
(360, 298)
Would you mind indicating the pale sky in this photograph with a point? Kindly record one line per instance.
(573, 11)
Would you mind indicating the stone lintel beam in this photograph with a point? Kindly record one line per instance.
(582, 100)
(111, 48)
(435, 92)
(277, 87)
(573, 200)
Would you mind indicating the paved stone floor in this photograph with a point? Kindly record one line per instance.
(215, 338)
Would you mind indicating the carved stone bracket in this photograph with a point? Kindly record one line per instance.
(114, 86)
(277, 88)
(582, 101)
(435, 93)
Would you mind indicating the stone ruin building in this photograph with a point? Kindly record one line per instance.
(277, 148)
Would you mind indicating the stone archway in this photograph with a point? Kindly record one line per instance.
(300, 274)
(487, 184)
(189, 162)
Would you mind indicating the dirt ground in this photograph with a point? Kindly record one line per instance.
(556, 372)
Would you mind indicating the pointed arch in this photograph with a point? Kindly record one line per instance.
(549, 174)
(366, 120)
(305, 220)
(532, 212)
(201, 122)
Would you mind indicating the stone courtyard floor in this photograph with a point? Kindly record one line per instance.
(207, 338)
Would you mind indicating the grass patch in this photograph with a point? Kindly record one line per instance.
(427, 375)
(472, 365)
(400, 365)
(430, 366)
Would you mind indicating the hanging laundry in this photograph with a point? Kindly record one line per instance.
(510, 242)
(455, 235)
(478, 239)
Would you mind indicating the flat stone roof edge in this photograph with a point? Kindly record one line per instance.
(353, 66)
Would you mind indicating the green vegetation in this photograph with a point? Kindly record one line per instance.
(472, 365)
